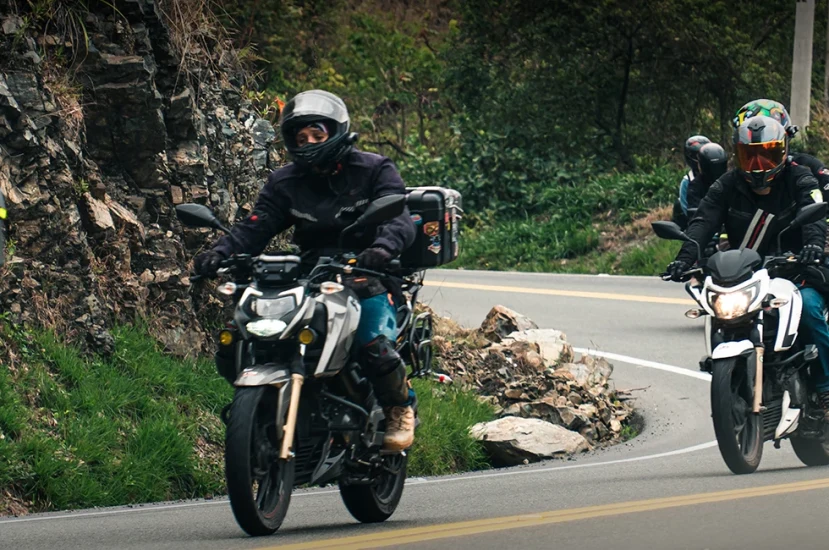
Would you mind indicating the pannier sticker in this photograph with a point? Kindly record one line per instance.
(417, 219)
(431, 228)
(435, 246)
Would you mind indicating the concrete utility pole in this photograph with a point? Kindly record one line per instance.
(826, 67)
(804, 27)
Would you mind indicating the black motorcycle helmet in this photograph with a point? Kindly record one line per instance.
(713, 162)
(761, 147)
(317, 106)
(692, 146)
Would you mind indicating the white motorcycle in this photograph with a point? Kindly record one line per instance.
(760, 388)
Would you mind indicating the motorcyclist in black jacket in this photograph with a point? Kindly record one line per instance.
(756, 201)
(691, 150)
(326, 187)
(777, 111)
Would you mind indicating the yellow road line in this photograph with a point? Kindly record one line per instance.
(476, 527)
(568, 293)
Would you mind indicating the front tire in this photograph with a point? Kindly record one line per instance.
(377, 502)
(259, 484)
(739, 431)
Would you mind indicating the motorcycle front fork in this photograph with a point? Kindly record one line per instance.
(290, 423)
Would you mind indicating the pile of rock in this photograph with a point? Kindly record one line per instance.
(552, 404)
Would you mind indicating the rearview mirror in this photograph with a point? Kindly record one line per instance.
(383, 209)
(669, 230)
(810, 214)
(197, 215)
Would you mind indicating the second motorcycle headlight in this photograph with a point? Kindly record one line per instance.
(732, 305)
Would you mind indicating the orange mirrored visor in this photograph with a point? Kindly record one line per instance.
(760, 157)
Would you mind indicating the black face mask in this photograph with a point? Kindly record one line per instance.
(327, 153)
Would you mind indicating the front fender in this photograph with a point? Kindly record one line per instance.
(732, 349)
(263, 375)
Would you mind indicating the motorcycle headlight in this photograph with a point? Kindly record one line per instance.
(265, 328)
(273, 308)
(732, 305)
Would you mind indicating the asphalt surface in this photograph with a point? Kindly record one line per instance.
(668, 488)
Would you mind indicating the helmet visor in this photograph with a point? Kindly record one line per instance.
(760, 157)
(311, 104)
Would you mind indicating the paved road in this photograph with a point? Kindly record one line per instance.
(666, 489)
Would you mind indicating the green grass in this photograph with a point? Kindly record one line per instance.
(536, 250)
(78, 432)
(442, 443)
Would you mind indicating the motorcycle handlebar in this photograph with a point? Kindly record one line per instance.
(686, 276)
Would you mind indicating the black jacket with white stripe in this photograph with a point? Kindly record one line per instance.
(319, 208)
(752, 220)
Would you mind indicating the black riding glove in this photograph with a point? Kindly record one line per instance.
(207, 263)
(810, 254)
(712, 247)
(676, 268)
(374, 258)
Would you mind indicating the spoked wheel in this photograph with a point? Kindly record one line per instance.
(259, 484)
(739, 431)
(377, 502)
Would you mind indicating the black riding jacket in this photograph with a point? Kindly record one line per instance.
(818, 169)
(752, 220)
(320, 207)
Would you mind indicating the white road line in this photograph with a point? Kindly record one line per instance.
(420, 481)
(643, 363)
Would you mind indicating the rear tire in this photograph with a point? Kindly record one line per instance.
(259, 484)
(377, 502)
(811, 452)
(739, 431)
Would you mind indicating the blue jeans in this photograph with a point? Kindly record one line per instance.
(814, 323)
(377, 318)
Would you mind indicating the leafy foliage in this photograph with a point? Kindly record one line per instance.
(543, 113)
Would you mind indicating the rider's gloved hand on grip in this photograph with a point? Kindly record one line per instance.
(374, 258)
(676, 268)
(207, 263)
(810, 254)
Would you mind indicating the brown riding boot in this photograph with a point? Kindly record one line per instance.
(400, 426)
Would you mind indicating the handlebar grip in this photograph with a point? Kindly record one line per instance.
(395, 264)
(665, 276)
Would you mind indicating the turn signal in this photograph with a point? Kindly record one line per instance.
(227, 289)
(225, 337)
(306, 336)
(2, 213)
(778, 302)
(694, 313)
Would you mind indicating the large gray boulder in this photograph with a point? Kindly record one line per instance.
(502, 321)
(512, 440)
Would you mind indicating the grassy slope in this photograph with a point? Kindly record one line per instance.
(143, 426)
(505, 249)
